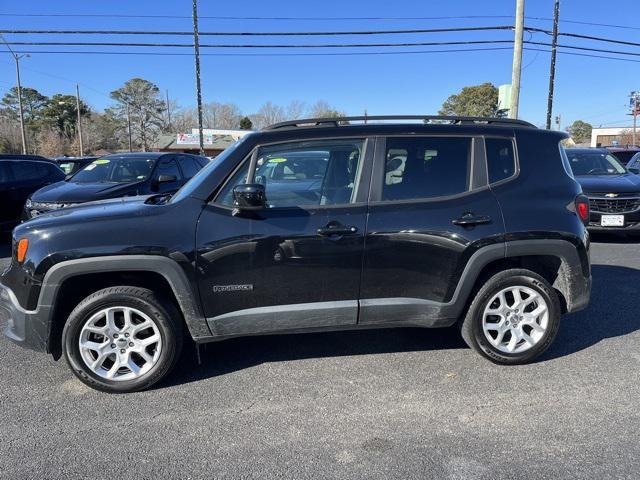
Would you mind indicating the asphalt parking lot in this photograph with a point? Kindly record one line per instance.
(374, 404)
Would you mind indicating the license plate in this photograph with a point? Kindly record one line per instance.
(612, 221)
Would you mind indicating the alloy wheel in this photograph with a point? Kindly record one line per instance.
(120, 343)
(515, 319)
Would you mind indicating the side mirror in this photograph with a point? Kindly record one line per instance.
(166, 179)
(250, 196)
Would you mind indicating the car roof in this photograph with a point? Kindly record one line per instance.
(623, 149)
(17, 156)
(135, 155)
(587, 150)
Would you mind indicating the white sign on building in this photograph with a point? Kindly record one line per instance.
(193, 138)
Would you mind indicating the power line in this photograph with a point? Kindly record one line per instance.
(220, 17)
(320, 54)
(262, 34)
(284, 18)
(278, 45)
(259, 54)
(326, 45)
(296, 34)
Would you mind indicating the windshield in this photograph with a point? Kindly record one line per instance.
(594, 163)
(116, 170)
(295, 166)
(195, 182)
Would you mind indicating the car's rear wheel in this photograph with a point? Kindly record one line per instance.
(122, 339)
(513, 318)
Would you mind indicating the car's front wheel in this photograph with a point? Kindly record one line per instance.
(513, 318)
(122, 339)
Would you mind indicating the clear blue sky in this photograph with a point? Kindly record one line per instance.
(593, 89)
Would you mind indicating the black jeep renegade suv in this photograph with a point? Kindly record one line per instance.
(312, 225)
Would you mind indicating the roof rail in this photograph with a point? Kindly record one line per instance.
(430, 119)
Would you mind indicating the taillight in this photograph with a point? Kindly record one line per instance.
(582, 208)
(23, 246)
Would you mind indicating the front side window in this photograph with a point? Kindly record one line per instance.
(116, 170)
(594, 163)
(426, 167)
(169, 167)
(501, 163)
(303, 174)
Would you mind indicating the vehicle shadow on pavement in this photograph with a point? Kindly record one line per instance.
(612, 312)
(240, 353)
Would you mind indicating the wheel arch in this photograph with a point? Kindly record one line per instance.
(69, 282)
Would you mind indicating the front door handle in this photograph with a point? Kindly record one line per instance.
(334, 229)
(471, 220)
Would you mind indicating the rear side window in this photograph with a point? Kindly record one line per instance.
(4, 173)
(25, 171)
(189, 167)
(426, 167)
(501, 162)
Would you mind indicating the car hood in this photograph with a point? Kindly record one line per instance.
(74, 192)
(624, 183)
(112, 208)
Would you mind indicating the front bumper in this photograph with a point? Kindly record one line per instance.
(27, 328)
(613, 207)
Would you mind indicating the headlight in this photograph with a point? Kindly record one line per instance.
(46, 205)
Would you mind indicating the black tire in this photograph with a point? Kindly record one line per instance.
(165, 316)
(471, 326)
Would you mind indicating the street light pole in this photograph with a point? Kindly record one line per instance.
(196, 45)
(517, 59)
(79, 120)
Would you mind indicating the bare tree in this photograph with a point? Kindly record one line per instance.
(322, 109)
(10, 140)
(268, 114)
(221, 115)
(296, 110)
(51, 143)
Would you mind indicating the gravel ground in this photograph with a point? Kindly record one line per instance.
(374, 404)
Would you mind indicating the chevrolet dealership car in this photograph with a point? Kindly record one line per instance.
(300, 228)
(613, 191)
(114, 176)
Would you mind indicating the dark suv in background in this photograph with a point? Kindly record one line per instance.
(20, 176)
(314, 225)
(114, 176)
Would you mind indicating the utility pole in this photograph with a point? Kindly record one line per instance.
(17, 58)
(79, 120)
(517, 59)
(552, 72)
(168, 109)
(129, 128)
(196, 45)
(635, 111)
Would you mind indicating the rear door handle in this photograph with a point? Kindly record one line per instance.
(336, 230)
(470, 220)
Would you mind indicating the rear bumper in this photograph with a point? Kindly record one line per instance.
(27, 328)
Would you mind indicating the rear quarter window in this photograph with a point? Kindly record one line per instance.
(501, 161)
